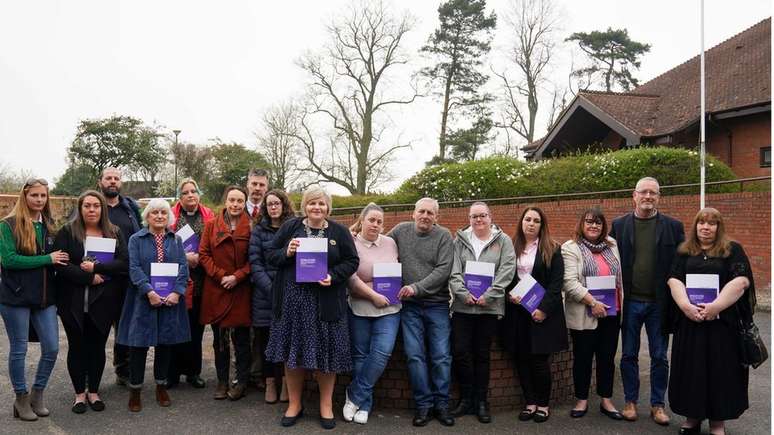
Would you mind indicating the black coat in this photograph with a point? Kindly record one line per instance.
(519, 333)
(262, 272)
(105, 300)
(669, 234)
(342, 263)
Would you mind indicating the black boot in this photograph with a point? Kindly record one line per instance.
(464, 407)
(483, 412)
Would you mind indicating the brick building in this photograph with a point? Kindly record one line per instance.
(664, 111)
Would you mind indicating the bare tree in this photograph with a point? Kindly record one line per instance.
(347, 95)
(533, 24)
(278, 144)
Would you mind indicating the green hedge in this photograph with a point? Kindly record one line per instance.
(498, 177)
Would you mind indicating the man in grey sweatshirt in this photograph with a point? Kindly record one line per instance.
(426, 253)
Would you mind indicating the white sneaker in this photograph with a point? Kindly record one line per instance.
(361, 417)
(349, 408)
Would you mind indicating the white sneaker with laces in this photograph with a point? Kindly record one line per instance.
(361, 417)
(350, 409)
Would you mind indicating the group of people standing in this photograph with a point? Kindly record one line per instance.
(241, 278)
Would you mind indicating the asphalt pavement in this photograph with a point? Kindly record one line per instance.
(194, 412)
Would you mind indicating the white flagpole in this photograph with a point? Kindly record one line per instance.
(702, 149)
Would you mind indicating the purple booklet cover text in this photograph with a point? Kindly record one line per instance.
(163, 278)
(312, 260)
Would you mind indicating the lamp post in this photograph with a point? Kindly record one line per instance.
(177, 132)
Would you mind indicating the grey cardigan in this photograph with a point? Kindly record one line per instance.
(499, 251)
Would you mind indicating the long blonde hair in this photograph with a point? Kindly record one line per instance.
(24, 229)
(357, 227)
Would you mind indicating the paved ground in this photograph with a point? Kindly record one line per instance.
(194, 412)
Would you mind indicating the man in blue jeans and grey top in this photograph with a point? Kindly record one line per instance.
(426, 253)
(647, 241)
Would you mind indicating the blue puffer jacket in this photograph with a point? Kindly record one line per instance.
(262, 272)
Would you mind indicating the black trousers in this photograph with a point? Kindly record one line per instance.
(261, 367)
(600, 344)
(534, 372)
(240, 336)
(472, 338)
(137, 358)
(85, 355)
(120, 356)
(187, 357)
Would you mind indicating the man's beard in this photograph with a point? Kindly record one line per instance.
(110, 192)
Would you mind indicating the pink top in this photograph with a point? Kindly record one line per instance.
(526, 260)
(604, 270)
(383, 250)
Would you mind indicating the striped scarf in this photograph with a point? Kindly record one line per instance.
(590, 268)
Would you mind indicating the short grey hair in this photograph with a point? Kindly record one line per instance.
(155, 204)
(315, 192)
(432, 201)
(110, 169)
(258, 172)
(646, 179)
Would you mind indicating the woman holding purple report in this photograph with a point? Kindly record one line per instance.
(534, 327)
(712, 284)
(593, 296)
(374, 315)
(154, 313)
(484, 264)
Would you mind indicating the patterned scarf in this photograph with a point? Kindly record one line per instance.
(590, 268)
(159, 238)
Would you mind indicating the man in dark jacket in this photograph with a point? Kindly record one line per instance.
(647, 241)
(124, 213)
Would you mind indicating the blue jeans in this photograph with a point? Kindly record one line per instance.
(635, 315)
(373, 339)
(17, 324)
(431, 321)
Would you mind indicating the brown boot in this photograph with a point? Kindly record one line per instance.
(659, 415)
(271, 391)
(630, 411)
(22, 408)
(162, 396)
(135, 401)
(36, 403)
(221, 391)
(237, 391)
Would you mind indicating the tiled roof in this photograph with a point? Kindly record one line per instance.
(738, 74)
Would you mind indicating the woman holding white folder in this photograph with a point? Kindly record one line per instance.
(708, 380)
(309, 327)
(154, 312)
(90, 293)
(594, 325)
(373, 319)
(478, 299)
(531, 337)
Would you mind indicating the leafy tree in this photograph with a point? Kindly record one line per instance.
(230, 165)
(466, 143)
(193, 161)
(611, 53)
(76, 178)
(11, 181)
(459, 46)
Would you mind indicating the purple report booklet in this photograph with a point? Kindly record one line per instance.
(311, 259)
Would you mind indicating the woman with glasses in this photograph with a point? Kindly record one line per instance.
(27, 294)
(593, 325)
(275, 210)
(90, 293)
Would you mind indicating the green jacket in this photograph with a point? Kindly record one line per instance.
(499, 251)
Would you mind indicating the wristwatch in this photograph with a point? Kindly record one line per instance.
(593, 304)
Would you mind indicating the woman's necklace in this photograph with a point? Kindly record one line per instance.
(321, 231)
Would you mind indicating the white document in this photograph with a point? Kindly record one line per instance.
(164, 269)
(479, 268)
(185, 233)
(387, 270)
(99, 244)
(524, 285)
(312, 244)
(702, 280)
(606, 282)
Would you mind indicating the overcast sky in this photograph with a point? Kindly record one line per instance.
(211, 68)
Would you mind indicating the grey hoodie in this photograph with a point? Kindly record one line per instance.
(499, 251)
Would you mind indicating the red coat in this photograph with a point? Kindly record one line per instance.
(223, 253)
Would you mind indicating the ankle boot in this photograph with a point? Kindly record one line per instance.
(464, 406)
(36, 403)
(271, 395)
(135, 401)
(22, 408)
(483, 412)
(162, 396)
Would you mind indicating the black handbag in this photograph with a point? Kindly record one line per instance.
(753, 349)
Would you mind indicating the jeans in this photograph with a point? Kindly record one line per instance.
(590, 344)
(428, 322)
(85, 355)
(473, 334)
(137, 357)
(373, 339)
(17, 323)
(635, 315)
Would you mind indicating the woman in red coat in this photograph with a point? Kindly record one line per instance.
(226, 296)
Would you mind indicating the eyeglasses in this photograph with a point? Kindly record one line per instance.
(274, 204)
(32, 180)
(590, 222)
(479, 216)
(647, 192)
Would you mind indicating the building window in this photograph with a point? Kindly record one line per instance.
(766, 157)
